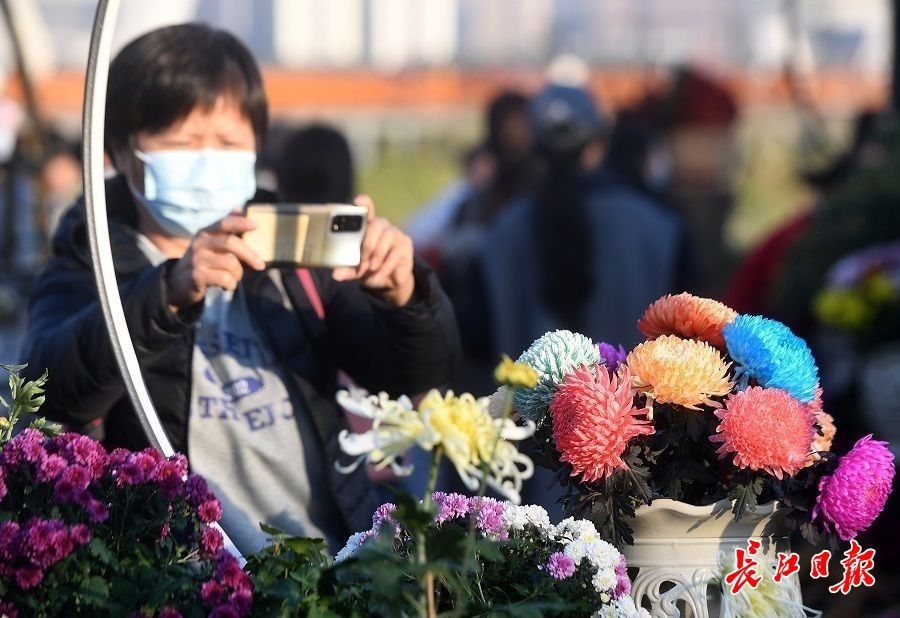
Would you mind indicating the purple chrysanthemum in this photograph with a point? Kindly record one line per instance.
(210, 511)
(49, 467)
(3, 488)
(850, 499)
(488, 516)
(197, 489)
(611, 356)
(72, 483)
(84, 451)
(28, 446)
(450, 506)
(211, 541)
(383, 514)
(560, 566)
(623, 584)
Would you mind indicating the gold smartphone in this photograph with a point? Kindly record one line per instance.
(310, 235)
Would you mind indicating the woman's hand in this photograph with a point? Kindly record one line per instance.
(386, 266)
(216, 257)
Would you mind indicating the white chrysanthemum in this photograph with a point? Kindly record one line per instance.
(353, 544)
(538, 517)
(602, 555)
(577, 551)
(552, 356)
(514, 517)
(396, 427)
(604, 580)
(576, 530)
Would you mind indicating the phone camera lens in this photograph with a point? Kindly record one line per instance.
(346, 223)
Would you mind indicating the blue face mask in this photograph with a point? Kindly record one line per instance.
(188, 190)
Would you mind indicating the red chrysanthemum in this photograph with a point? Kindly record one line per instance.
(766, 429)
(687, 316)
(594, 419)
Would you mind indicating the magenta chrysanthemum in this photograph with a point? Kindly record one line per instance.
(594, 419)
(766, 429)
(559, 566)
(850, 499)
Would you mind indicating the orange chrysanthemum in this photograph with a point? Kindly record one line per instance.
(687, 316)
(766, 429)
(825, 428)
(681, 371)
(594, 419)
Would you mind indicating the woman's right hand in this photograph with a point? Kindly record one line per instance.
(216, 257)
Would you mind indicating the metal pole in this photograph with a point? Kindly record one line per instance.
(98, 231)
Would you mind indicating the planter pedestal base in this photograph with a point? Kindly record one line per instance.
(676, 553)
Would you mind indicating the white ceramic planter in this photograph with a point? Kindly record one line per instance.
(676, 551)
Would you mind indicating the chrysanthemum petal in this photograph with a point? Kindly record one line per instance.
(850, 499)
(552, 356)
(687, 316)
(768, 352)
(766, 429)
(684, 372)
(594, 419)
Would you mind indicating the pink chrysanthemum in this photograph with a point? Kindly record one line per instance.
(684, 372)
(559, 566)
(766, 429)
(850, 499)
(687, 316)
(594, 419)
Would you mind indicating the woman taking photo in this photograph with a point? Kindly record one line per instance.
(240, 360)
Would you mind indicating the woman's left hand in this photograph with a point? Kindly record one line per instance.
(386, 267)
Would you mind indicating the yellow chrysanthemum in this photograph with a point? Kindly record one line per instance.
(687, 316)
(684, 372)
(516, 375)
(461, 427)
(469, 437)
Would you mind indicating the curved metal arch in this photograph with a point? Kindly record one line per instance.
(92, 135)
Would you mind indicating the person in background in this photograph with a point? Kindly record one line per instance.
(698, 115)
(316, 167)
(582, 251)
(495, 172)
(239, 363)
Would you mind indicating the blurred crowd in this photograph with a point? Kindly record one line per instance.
(567, 214)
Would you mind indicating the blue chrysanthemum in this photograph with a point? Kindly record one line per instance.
(552, 356)
(767, 351)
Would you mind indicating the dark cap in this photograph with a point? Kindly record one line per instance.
(565, 119)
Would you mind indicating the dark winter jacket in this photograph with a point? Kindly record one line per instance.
(399, 350)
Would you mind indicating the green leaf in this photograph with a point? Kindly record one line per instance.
(98, 549)
(745, 496)
(94, 590)
(305, 546)
(272, 530)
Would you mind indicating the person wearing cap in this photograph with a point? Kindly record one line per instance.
(583, 251)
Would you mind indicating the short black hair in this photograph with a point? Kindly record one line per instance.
(316, 166)
(162, 76)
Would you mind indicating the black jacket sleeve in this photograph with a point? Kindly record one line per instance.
(401, 350)
(67, 336)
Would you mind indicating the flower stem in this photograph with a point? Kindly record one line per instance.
(428, 607)
(427, 499)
